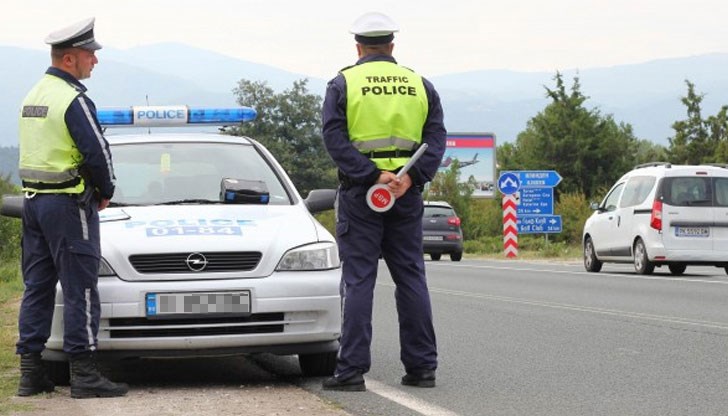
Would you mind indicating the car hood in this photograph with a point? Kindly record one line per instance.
(185, 229)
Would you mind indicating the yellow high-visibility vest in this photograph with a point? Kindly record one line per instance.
(49, 157)
(386, 109)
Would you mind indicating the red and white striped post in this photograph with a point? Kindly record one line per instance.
(510, 229)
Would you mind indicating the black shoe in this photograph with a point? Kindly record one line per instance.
(354, 382)
(420, 379)
(33, 376)
(87, 381)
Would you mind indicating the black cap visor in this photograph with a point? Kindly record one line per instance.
(83, 41)
(374, 40)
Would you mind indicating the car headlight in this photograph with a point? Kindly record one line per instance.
(318, 256)
(105, 270)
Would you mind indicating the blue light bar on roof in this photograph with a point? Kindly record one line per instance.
(173, 116)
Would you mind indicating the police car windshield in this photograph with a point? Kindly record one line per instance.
(187, 172)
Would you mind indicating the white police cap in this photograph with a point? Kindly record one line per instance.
(77, 35)
(374, 28)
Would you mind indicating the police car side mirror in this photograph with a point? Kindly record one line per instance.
(12, 206)
(319, 200)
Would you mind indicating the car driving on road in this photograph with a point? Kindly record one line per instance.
(660, 214)
(441, 231)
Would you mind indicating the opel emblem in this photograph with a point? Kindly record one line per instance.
(196, 262)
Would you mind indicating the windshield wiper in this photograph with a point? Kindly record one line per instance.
(191, 201)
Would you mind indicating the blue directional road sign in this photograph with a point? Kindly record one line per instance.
(536, 201)
(508, 183)
(536, 178)
(538, 224)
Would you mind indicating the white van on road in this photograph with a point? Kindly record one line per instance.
(661, 214)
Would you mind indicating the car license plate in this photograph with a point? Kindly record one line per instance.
(692, 231)
(162, 304)
(432, 238)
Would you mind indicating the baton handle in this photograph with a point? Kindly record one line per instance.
(412, 160)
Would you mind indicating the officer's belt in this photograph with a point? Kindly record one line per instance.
(45, 186)
(389, 154)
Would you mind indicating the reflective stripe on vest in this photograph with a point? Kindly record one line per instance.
(386, 108)
(48, 154)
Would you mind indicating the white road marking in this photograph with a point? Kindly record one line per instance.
(622, 276)
(580, 308)
(407, 400)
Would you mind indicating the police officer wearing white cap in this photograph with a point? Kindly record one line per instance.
(67, 174)
(376, 113)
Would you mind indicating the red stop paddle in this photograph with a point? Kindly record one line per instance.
(379, 197)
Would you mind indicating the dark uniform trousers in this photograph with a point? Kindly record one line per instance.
(60, 242)
(362, 234)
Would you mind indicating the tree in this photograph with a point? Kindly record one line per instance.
(646, 151)
(697, 140)
(587, 148)
(289, 125)
(719, 128)
(689, 143)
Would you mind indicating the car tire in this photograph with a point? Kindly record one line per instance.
(435, 257)
(317, 365)
(677, 269)
(59, 372)
(591, 262)
(726, 270)
(642, 265)
(456, 256)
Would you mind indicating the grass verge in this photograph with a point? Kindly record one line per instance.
(11, 289)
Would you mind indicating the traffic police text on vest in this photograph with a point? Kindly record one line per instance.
(378, 92)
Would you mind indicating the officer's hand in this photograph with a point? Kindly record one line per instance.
(103, 204)
(386, 177)
(399, 186)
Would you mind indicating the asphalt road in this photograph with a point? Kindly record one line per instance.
(519, 338)
(514, 338)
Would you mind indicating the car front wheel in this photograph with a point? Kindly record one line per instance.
(591, 263)
(677, 269)
(317, 365)
(642, 265)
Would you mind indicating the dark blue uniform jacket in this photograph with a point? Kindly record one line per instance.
(352, 163)
(86, 131)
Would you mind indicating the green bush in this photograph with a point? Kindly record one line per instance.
(484, 245)
(541, 246)
(574, 210)
(10, 232)
(328, 220)
(485, 219)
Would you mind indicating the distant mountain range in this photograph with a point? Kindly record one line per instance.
(646, 95)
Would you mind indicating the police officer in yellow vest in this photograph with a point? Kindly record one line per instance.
(375, 115)
(67, 174)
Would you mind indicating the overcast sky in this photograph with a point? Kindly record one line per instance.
(436, 37)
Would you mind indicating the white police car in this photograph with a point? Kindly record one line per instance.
(208, 249)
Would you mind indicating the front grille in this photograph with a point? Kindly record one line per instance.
(262, 323)
(227, 261)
